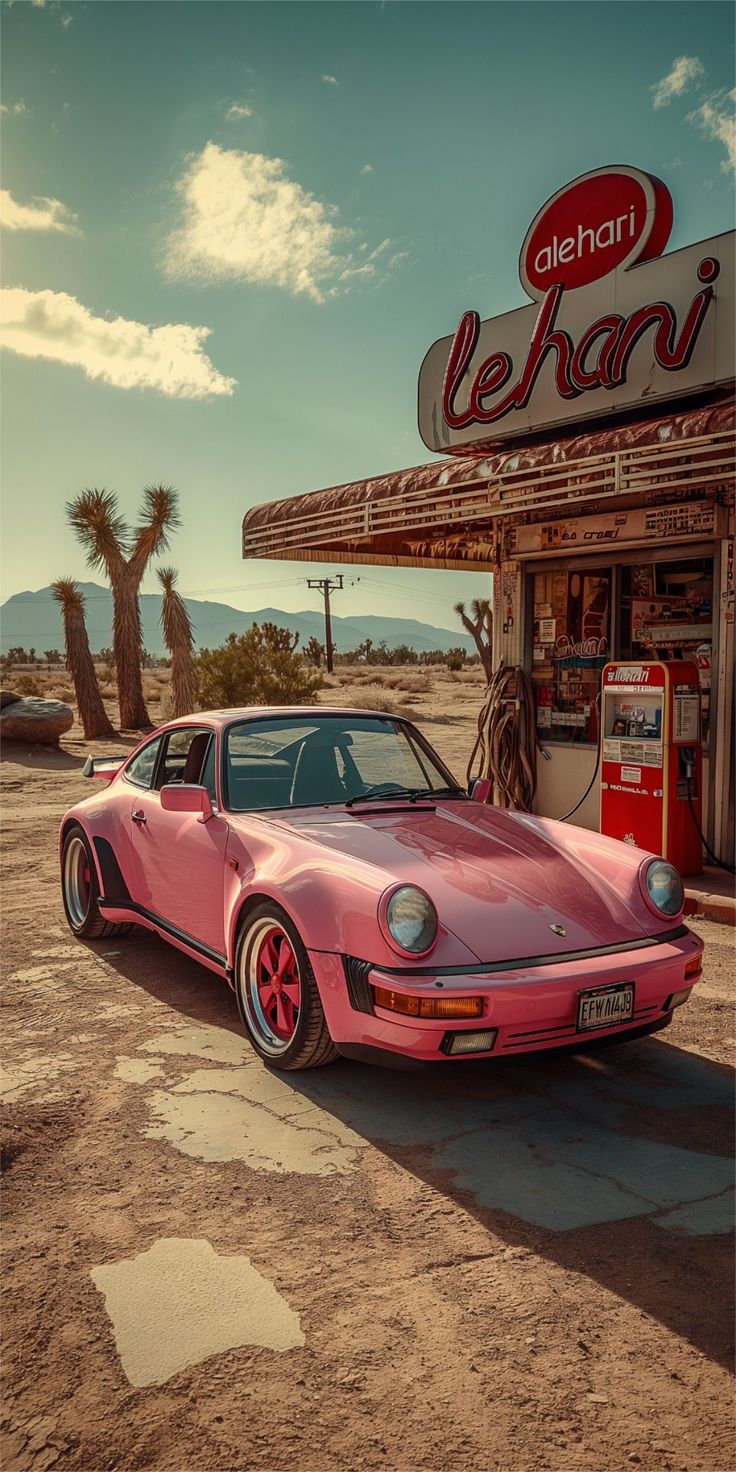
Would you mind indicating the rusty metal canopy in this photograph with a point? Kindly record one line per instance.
(442, 515)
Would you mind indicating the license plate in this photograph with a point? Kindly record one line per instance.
(605, 1007)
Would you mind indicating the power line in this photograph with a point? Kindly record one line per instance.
(187, 592)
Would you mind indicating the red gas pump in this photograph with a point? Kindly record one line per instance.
(651, 762)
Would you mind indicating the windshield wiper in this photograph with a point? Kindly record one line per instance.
(408, 794)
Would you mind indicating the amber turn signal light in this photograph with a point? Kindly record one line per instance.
(442, 1007)
(694, 966)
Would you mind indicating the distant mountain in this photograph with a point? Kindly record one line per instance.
(33, 621)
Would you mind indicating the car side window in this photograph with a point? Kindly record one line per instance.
(141, 769)
(183, 755)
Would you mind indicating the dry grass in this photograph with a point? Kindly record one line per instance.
(25, 684)
(374, 698)
(413, 684)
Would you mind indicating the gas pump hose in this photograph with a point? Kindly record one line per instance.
(506, 744)
(506, 740)
(581, 800)
(719, 863)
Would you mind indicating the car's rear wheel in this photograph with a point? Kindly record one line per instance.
(277, 994)
(80, 891)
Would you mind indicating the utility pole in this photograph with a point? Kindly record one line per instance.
(327, 586)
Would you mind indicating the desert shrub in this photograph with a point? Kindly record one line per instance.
(378, 654)
(455, 658)
(433, 656)
(27, 685)
(414, 684)
(62, 692)
(259, 667)
(385, 703)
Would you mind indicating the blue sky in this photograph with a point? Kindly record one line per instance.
(322, 188)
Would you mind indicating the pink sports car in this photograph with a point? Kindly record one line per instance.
(360, 902)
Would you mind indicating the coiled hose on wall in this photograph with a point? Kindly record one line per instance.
(507, 741)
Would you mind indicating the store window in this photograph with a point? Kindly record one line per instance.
(667, 613)
(571, 643)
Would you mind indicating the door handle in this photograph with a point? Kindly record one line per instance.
(139, 817)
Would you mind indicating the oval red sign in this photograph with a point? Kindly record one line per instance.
(601, 222)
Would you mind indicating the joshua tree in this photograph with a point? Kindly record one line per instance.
(314, 652)
(179, 640)
(479, 624)
(80, 664)
(124, 555)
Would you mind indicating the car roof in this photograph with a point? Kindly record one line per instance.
(222, 718)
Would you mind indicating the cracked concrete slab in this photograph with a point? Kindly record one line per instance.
(212, 1125)
(564, 1172)
(138, 1070)
(213, 1043)
(179, 1303)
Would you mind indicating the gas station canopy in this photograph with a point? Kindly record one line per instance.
(441, 515)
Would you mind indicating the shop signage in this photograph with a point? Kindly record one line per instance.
(617, 528)
(603, 222)
(614, 322)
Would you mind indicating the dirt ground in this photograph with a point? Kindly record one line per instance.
(496, 1268)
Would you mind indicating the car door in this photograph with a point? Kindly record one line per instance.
(176, 861)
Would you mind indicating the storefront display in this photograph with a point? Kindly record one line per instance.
(571, 645)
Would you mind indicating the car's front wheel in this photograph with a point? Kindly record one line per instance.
(277, 994)
(80, 890)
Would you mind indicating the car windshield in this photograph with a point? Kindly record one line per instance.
(323, 760)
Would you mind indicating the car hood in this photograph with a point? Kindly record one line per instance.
(500, 881)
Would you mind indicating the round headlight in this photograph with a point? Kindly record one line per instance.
(664, 887)
(411, 919)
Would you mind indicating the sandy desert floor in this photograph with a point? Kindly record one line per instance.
(211, 1269)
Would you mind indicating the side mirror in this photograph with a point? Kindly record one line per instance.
(186, 797)
(481, 790)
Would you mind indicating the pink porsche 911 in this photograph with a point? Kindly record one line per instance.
(360, 902)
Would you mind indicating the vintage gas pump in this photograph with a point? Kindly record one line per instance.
(651, 759)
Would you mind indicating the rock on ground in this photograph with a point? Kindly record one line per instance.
(35, 720)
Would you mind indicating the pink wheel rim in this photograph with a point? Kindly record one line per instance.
(277, 983)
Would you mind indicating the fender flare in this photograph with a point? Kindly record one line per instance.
(242, 908)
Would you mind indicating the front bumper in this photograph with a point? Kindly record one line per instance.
(533, 1010)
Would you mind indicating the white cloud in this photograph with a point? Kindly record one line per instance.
(51, 324)
(16, 107)
(683, 73)
(237, 111)
(367, 169)
(38, 4)
(716, 117)
(245, 219)
(41, 214)
(66, 21)
(330, 80)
